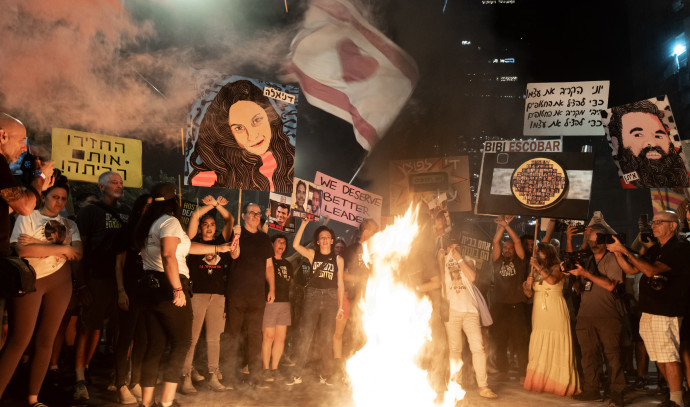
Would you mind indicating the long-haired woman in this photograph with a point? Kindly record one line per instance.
(241, 139)
(49, 242)
(551, 366)
(164, 248)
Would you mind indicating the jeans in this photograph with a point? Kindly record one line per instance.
(469, 323)
(167, 323)
(318, 304)
(209, 308)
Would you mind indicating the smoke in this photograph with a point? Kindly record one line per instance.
(98, 66)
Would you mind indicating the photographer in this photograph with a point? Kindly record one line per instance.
(662, 295)
(599, 319)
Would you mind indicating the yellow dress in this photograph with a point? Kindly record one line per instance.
(551, 366)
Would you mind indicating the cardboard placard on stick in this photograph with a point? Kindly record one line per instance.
(346, 203)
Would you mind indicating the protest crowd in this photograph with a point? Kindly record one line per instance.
(565, 319)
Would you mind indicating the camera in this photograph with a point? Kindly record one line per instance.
(657, 282)
(28, 167)
(572, 259)
(646, 234)
(562, 226)
(607, 238)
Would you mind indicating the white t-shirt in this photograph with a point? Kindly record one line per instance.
(56, 230)
(165, 226)
(457, 292)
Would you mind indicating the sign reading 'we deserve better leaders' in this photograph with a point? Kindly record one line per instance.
(346, 203)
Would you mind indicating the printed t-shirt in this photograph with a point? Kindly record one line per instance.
(282, 271)
(102, 235)
(208, 273)
(508, 278)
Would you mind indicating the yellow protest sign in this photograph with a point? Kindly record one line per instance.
(84, 156)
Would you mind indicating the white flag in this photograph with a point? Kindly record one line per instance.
(348, 68)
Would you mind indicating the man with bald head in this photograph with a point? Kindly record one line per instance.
(663, 289)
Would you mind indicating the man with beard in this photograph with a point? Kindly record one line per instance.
(642, 146)
(599, 323)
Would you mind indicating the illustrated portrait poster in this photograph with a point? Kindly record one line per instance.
(241, 134)
(645, 144)
(306, 200)
(280, 217)
(425, 179)
(555, 185)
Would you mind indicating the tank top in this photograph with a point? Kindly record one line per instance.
(324, 271)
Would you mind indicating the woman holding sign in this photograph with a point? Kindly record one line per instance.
(323, 300)
(241, 139)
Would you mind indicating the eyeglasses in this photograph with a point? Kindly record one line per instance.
(659, 222)
(252, 213)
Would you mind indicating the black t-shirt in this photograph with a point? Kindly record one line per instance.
(247, 277)
(6, 181)
(355, 265)
(324, 271)
(208, 276)
(670, 299)
(508, 279)
(303, 272)
(102, 235)
(282, 271)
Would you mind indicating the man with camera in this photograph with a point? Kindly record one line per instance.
(599, 317)
(663, 288)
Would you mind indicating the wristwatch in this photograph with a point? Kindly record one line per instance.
(38, 173)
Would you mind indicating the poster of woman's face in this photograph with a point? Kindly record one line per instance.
(241, 134)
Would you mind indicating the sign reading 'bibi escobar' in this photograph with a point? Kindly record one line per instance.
(565, 108)
(346, 203)
(84, 156)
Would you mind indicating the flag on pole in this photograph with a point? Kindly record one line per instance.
(348, 68)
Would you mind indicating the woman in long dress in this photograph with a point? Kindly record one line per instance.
(551, 366)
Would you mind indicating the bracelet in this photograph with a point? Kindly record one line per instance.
(461, 260)
(177, 289)
(340, 309)
(38, 173)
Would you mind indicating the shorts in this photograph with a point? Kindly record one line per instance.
(103, 303)
(277, 313)
(661, 337)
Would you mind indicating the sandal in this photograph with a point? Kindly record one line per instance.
(487, 393)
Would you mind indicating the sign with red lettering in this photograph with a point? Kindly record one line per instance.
(425, 179)
(346, 203)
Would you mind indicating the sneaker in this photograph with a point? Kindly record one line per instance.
(293, 381)
(124, 396)
(135, 390)
(196, 376)
(287, 361)
(214, 384)
(325, 380)
(187, 386)
(487, 393)
(266, 376)
(80, 391)
(588, 396)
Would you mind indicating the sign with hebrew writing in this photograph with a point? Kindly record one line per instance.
(241, 134)
(425, 179)
(346, 203)
(556, 185)
(84, 156)
(645, 144)
(565, 108)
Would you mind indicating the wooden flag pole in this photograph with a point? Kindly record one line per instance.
(239, 207)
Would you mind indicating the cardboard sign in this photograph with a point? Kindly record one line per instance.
(524, 146)
(307, 200)
(280, 218)
(188, 208)
(565, 108)
(84, 156)
(556, 185)
(423, 180)
(346, 203)
(645, 144)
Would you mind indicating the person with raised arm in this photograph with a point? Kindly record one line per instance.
(323, 300)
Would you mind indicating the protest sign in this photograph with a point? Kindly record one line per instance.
(84, 156)
(565, 108)
(556, 185)
(306, 200)
(188, 208)
(346, 203)
(422, 180)
(645, 144)
(279, 218)
(237, 125)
